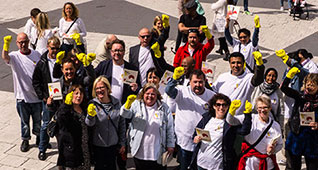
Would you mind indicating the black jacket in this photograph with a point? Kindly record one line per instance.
(41, 77)
(229, 136)
(106, 68)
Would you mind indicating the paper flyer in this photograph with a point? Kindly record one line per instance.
(166, 158)
(306, 118)
(204, 134)
(233, 11)
(208, 69)
(55, 90)
(130, 76)
(274, 140)
(165, 78)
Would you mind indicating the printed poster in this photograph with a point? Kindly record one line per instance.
(233, 11)
(208, 69)
(55, 90)
(130, 76)
(165, 78)
(204, 134)
(306, 118)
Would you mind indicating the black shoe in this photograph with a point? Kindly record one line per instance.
(37, 142)
(220, 51)
(24, 146)
(226, 57)
(49, 146)
(42, 156)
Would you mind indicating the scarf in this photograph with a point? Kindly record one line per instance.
(311, 103)
(261, 157)
(268, 89)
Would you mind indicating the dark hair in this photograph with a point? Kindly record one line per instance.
(237, 54)
(305, 53)
(68, 59)
(198, 73)
(34, 12)
(216, 97)
(270, 69)
(193, 31)
(245, 31)
(152, 70)
(117, 41)
(82, 90)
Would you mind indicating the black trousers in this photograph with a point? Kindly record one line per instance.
(148, 165)
(223, 44)
(105, 157)
(294, 162)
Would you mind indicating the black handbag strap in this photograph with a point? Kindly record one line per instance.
(259, 139)
(108, 116)
(70, 26)
(248, 66)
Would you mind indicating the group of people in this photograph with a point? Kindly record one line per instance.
(240, 122)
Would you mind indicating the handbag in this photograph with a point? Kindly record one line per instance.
(52, 127)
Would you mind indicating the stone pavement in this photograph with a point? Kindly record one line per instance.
(125, 18)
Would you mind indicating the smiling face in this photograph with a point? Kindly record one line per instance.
(77, 97)
(159, 25)
(236, 64)
(244, 39)
(263, 110)
(68, 10)
(153, 78)
(150, 97)
(117, 52)
(197, 84)
(23, 43)
(101, 90)
(220, 108)
(68, 70)
(311, 88)
(193, 39)
(53, 49)
(271, 77)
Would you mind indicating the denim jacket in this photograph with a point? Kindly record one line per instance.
(138, 123)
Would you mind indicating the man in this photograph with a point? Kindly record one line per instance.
(244, 45)
(238, 84)
(190, 20)
(31, 22)
(22, 63)
(102, 50)
(147, 54)
(194, 48)
(191, 103)
(43, 74)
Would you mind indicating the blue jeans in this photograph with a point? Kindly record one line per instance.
(289, 2)
(245, 4)
(185, 158)
(25, 110)
(44, 137)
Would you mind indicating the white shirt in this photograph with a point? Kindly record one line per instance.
(235, 87)
(310, 65)
(22, 67)
(210, 154)
(117, 81)
(150, 144)
(247, 51)
(145, 62)
(189, 110)
(77, 27)
(51, 63)
(28, 26)
(41, 45)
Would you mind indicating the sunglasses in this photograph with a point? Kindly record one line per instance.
(144, 36)
(242, 37)
(54, 48)
(118, 51)
(220, 104)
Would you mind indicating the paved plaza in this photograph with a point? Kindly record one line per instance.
(125, 18)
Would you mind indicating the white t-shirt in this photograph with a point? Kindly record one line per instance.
(210, 154)
(150, 144)
(28, 26)
(77, 27)
(191, 51)
(310, 65)
(22, 67)
(51, 63)
(189, 110)
(247, 51)
(41, 45)
(145, 62)
(235, 87)
(117, 81)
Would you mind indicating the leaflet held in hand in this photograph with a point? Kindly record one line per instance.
(208, 70)
(233, 11)
(55, 90)
(130, 76)
(204, 134)
(165, 78)
(306, 118)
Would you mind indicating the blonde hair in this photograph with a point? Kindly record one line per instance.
(75, 12)
(53, 40)
(42, 23)
(105, 81)
(264, 99)
(155, 29)
(311, 77)
(147, 87)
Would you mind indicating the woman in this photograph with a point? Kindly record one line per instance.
(220, 12)
(69, 24)
(41, 34)
(160, 30)
(302, 140)
(109, 126)
(219, 153)
(72, 136)
(271, 88)
(263, 141)
(151, 128)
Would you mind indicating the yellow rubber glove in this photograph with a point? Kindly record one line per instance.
(282, 54)
(156, 49)
(59, 56)
(258, 58)
(206, 31)
(248, 107)
(77, 38)
(91, 110)
(6, 42)
(90, 57)
(292, 72)
(130, 99)
(81, 57)
(256, 21)
(165, 21)
(235, 104)
(69, 98)
(178, 72)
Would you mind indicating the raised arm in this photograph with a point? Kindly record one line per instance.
(256, 31)
(5, 50)
(171, 86)
(287, 90)
(258, 77)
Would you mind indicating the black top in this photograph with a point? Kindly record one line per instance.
(188, 21)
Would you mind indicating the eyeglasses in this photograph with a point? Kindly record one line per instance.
(23, 42)
(117, 50)
(242, 37)
(144, 36)
(55, 48)
(100, 88)
(262, 108)
(220, 104)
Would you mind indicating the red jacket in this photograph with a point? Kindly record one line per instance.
(199, 54)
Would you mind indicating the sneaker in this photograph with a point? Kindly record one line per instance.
(49, 146)
(247, 13)
(42, 156)
(37, 142)
(281, 8)
(282, 162)
(24, 146)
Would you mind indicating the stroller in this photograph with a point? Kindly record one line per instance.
(299, 7)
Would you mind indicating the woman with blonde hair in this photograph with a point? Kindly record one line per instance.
(41, 33)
